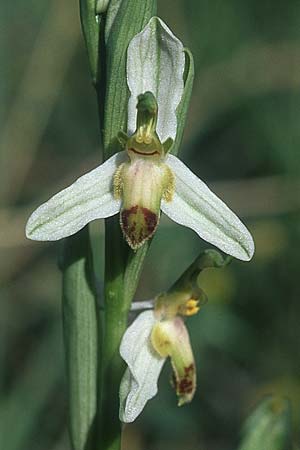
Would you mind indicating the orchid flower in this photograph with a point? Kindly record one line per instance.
(153, 337)
(160, 333)
(145, 178)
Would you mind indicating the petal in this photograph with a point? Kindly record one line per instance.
(155, 63)
(195, 206)
(171, 338)
(139, 383)
(89, 198)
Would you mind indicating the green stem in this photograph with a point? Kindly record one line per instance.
(122, 266)
(107, 37)
(122, 272)
(115, 318)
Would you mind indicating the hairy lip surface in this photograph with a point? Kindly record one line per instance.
(145, 154)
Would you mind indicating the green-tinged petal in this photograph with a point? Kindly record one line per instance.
(155, 63)
(171, 338)
(89, 198)
(139, 383)
(195, 206)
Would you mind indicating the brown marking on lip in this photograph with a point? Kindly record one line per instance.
(155, 152)
(138, 225)
(185, 385)
(189, 369)
(150, 219)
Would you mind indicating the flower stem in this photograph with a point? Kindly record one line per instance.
(115, 318)
(122, 272)
(122, 266)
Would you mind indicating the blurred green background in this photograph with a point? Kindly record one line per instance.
(242, 137)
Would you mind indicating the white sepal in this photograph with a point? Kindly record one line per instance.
(155, 63)
(88, 198)
(195, 206)
(139, 383)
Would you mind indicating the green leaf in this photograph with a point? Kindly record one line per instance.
(113, 9)
(80, 337)
(268, 427)
(91, 24)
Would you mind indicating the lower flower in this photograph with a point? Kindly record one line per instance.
(161, 333)
(147, 343)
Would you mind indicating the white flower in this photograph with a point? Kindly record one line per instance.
(145, 179)
(148, 342)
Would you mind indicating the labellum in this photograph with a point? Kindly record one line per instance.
(145, 180)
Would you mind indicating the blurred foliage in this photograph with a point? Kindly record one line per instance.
(242, 137)
(268, 427)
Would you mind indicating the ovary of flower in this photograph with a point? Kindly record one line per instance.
(145, 179)
(147, 343)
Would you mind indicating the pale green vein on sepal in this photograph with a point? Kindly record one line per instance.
(156, 63)
(90, 197)
(80, 337)
(182, 110)
(122, 25)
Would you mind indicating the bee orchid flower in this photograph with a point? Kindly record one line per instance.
(160, 333)
(154, 336)
(145, 178)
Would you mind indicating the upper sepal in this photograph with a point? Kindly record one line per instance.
(155, 63)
